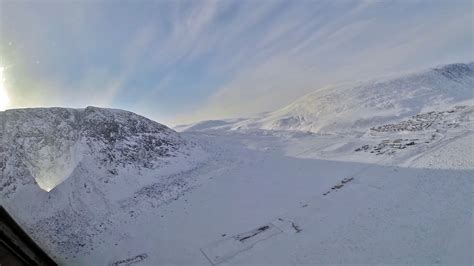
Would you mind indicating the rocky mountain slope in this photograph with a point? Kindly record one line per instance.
(92, 161)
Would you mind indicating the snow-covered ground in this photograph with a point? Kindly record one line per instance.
(393, 191)
(416, 214)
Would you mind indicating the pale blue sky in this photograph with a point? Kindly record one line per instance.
(183, 61)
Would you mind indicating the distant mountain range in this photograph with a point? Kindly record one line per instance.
(353, 107)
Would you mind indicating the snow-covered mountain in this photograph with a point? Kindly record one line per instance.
(100, 186)
(92, 161)
(356, 107)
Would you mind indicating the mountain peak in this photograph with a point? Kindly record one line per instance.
(456, 71)
(49, 143)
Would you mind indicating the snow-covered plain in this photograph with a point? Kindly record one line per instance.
(397, 190)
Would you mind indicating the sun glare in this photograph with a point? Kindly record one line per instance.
(4, 99)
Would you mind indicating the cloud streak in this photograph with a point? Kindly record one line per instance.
(182, 61)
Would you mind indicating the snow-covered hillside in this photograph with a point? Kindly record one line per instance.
(94, 162)
(356, 107)
(350, 108)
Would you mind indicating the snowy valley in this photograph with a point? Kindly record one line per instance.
(376, 172)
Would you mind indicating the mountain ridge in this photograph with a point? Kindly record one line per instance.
(46, 136)
(355, 107)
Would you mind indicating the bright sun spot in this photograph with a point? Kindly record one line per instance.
(4, 99)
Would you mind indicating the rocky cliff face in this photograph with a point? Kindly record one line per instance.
(46, 144)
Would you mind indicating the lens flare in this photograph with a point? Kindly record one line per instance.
(4, 99)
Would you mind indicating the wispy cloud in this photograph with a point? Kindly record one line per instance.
(182, 61)
(360, 44)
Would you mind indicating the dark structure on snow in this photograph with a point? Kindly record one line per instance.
(16, 247)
